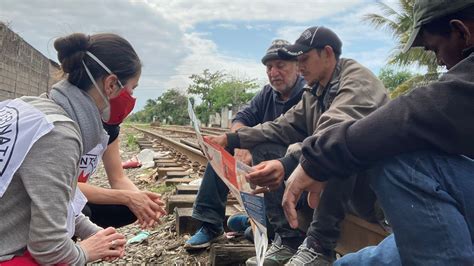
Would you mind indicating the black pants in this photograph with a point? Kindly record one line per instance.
(105, 215)
(352, 195)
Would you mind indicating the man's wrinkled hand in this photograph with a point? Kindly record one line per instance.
(298, 182)
(268, 175)
(219, 140)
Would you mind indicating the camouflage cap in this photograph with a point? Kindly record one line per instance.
(272, 51)
(425, 11)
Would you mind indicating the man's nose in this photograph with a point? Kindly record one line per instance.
(274, 72)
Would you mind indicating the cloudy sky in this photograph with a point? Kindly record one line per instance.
(178, 38)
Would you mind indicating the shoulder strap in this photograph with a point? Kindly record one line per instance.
(333, 87)
(329, 96)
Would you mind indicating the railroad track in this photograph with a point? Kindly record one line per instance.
(181, 140)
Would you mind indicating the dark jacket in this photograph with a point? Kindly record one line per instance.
(266, 105)
(439, 116)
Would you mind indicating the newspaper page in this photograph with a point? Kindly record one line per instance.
(232, 173)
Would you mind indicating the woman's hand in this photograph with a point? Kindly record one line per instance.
(147, 207)
(106, 243)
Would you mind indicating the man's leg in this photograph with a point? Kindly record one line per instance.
(211, 199)
(209, 208)
(385, 253)
(286, 239)
(340, 195)
(428, 199)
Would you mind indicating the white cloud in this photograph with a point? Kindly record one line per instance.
(204, 54)
(157, 40)
(164, 32)
(190, 12)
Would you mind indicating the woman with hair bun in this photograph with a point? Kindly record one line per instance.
(44, 140)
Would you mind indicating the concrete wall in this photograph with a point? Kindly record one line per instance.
(23, 69)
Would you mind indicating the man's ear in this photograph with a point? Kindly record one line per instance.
(458, 27)
(329, 52)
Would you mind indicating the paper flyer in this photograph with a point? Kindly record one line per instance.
(232, 173)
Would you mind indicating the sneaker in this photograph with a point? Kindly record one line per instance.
(204, 237)
(276, 255)
(238, 222)
(308, 256)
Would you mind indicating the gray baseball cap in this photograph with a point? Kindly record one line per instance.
(272, 51)
(426, 11)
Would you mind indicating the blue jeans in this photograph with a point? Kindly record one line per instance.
(385, 253)
(428, 198)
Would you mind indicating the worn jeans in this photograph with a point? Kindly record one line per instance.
(428, 198)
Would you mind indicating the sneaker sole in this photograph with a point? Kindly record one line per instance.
(203, 245)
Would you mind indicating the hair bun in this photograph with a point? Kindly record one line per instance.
(71, 50)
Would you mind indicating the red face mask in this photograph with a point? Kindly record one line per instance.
(120, 107)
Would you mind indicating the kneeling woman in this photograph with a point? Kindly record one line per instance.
(40, 205)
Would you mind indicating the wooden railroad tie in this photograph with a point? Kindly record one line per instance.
(160, 160)
(176, 174)
(177, 181)
(230, 254)
(163, 170)
(185, 224)
(172, 164)
(186, 201)
(357, 233)
(186, 190)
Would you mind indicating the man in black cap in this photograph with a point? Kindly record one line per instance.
(283, 92)
(420, 148)
(340, 90)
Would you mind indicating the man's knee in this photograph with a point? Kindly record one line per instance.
(385, 174)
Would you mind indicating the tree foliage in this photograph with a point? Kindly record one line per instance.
(400, 24)
(392, 79)
(170, 106)
(217, 90)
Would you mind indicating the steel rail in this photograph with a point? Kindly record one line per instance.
(193, 154)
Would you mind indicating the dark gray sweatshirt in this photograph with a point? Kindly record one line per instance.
(439, 116)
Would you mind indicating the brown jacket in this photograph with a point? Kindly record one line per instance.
(360, 93)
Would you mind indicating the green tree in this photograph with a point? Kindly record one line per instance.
(400, 24)
(171, 105)
(203, 84)
(392, 79)
(217, 89)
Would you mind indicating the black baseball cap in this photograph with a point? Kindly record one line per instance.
(315, 37)
(426, 11)
(272, 51)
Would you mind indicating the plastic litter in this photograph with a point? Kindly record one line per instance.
(196, 182)
(145, 156)
(140, 237)
(131, 163)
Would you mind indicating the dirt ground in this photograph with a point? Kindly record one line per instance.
(163, 246)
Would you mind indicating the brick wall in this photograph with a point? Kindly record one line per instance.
(23, 69)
